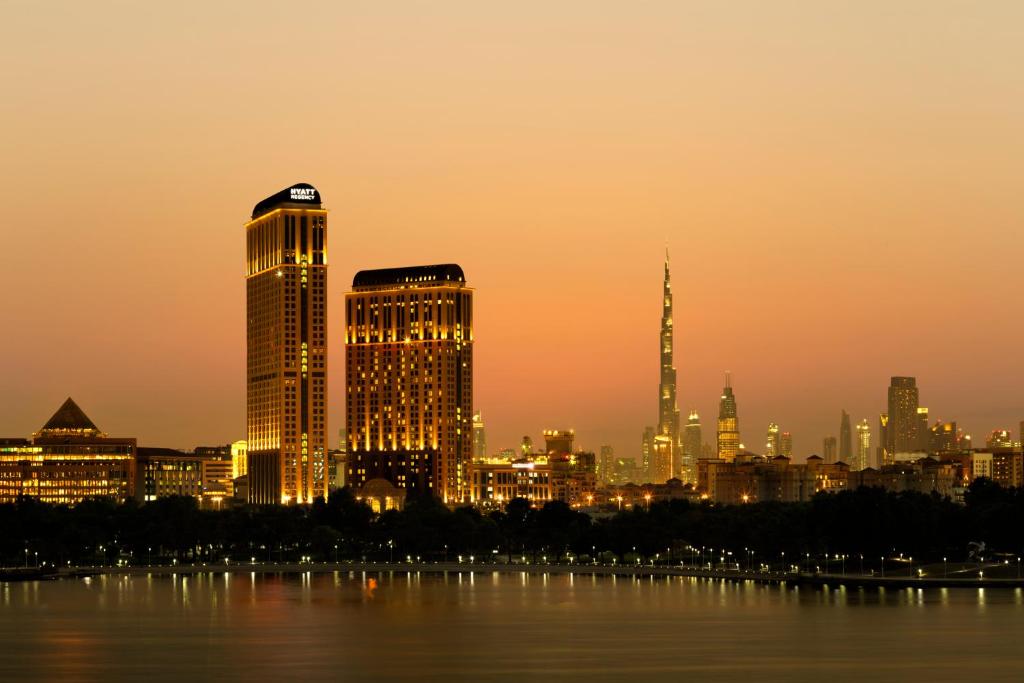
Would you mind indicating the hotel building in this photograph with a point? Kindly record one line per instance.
(409, 380)
(286, 364)
(67, 461)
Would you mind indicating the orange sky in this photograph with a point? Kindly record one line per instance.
(840, 185)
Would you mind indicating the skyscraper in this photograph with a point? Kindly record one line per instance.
(772, 444)
(605, 465)
(845, 438)
(828, 449)
(286, 373)
(667, 443)
(728, 423)
(786, 444)
(922, 430)
(692, 441)
(901, 434)
(647, 454)
(409, 375)
(479, 436)
(884, 455)
(862, 461)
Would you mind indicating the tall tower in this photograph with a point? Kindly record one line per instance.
(479, 436)
(667, 444)
(901, 432)
(828, 449)
(409, 377)
(286, 362)
(845, 438)
(772, 446)
(861, 462)
(786, 444)
(728, 423)
(692, 442)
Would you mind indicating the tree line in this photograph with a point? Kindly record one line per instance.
(868, 521)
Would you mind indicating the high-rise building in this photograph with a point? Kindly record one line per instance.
(479, 436)
(647, 454)
(66, 462)
(862, 461)
(525, 446)
(944, 438)
(901, 434)
(999, 438)
(728, 423)
(786, 444)
(667, 444)
(922, 430)
(772, 446)
(884, 456)
(559, 441)
(828, 449)
(605, 464)
(286, 293)
(692, 442)
(409, 376)
(845, 438)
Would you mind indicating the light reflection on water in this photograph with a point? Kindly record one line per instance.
(489, 626)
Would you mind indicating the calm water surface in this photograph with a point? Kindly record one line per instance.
(491, 627)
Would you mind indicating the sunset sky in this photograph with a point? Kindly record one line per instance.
(840, 185)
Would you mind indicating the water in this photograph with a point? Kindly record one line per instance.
(491, 627)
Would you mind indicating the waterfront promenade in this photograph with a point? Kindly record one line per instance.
(991, 575)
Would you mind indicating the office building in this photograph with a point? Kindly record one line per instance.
(605, 464)
(845, 438)
(728, 423)
(479, 436)
(409, 375)
(828, 449)
(67, 461)
(773, 443)
(863, 458)
(901, 432)
(884, 456)
(558, 441)
(647, 454)
(286, 292)
(786, 444)
(693, 442)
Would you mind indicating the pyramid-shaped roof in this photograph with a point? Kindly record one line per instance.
(69, 418)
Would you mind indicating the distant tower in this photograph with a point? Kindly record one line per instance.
(861, 462)
(845, 439)
(772, 446)
(526, 446)
(605, 464)
(479, 436)
(786, 444)
(884, 456)
(286, 373)
(922, 430)
(728, 423)
(901, 434)
(828, 449)
(668, 443)
(647, 454)
(692, 441)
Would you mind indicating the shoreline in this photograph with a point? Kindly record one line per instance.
(777, 578)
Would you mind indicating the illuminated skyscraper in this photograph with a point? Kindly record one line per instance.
(667, 442)
(647, 454)
(728, 423)
(862, 461)
(901, 434)
(884, 456)
(786, 444)
(772, 446)
(922, 431)
(845, 438)
(409, 377)
(479, 436)
(605, 465)
(286, 292)
(828, 450)
(692, 442)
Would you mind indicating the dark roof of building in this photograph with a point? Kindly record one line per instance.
(145, 452)
(443, 272)
(300, 195)
(69, 418)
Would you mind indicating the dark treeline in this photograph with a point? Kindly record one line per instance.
(871, 522)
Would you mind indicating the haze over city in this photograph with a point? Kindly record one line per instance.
(838, 187)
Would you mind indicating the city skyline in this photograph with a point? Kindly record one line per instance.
(788, 197)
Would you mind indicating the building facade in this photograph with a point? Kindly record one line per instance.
(67, 461)
(845, 438)
(728, 423)
(409, 380)
(863, 458)
(901, 430)
(286, 364)
(667, 452)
